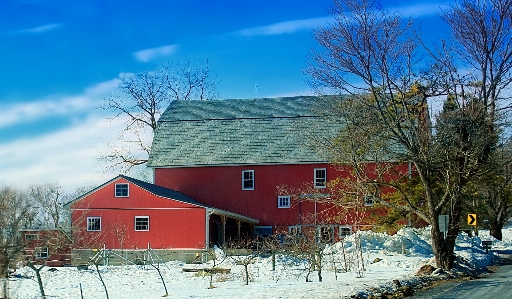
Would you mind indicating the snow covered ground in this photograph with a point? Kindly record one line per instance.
(400, 255)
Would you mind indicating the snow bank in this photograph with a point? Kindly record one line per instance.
(385, 258)
(405, 241)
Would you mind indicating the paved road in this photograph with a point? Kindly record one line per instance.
(495, 285)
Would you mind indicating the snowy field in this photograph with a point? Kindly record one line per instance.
(400, 255)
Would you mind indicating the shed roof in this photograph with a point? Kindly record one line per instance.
(242, 131)
(168, 194)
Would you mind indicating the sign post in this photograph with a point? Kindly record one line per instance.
(443, 224)
(472, 219)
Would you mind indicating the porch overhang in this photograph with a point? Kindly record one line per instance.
(232, 215)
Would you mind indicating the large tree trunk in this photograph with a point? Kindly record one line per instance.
(495, 230)
(444, 247)
(4, 263)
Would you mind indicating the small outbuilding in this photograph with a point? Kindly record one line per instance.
(126, 214)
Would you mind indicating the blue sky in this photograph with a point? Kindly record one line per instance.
(59, 58)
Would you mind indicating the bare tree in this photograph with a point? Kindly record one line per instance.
(216, 258)
(494, 201)
(50, 199)
(15, 213)
(482, 34)
(370, 56)
(37, 251)
(497, 203)
(119, 230)
(244, 253)
(96, 260)
(143, 97)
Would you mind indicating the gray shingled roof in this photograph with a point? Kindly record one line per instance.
(253, 131)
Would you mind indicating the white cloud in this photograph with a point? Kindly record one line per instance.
(150, 54)
(104, 87)
(284, 27)
(66, 156)
(69, 157)
(420, 9)
(11, 114)
(287, 27)
(38, 30)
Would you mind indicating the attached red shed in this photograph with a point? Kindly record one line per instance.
(127, 213)
(51, 247)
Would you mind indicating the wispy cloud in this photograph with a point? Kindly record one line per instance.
(68, 156)
(420, 9)
(38, 30)
(152, 53)
(286, 27)
(12, 114)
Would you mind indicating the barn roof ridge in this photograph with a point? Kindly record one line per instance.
(297, 106)
(162, 191)
(242, 118)
(243, 131)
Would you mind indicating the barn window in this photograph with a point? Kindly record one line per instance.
(93, 224)
(30, 237)
(320, 177)
(345, 231)
(325, 234)
(283, 202)
(368, 200)
(141, 223)
(248, 180)
(261, 232)
(42, 252)
(122, 190)
(294, 230)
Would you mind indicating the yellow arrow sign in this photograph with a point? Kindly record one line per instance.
(471, 219)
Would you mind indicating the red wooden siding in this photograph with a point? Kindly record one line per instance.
(221, 186)
(57, 244)
(172, 224)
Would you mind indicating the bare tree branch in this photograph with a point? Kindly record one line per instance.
(140, 101)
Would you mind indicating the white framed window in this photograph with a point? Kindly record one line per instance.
(345, 231)
(368, 200)
(320, 177)
(248, 180)
(262, 231)
(122, 190)
(294, 230)
(283, 202)
(325, 234)
(141, 223)
(42, 252)
(93, 224)
(30, 237)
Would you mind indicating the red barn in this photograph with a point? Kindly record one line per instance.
(241, 157)
(126, 213)
(235, 154)
(51, 247)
